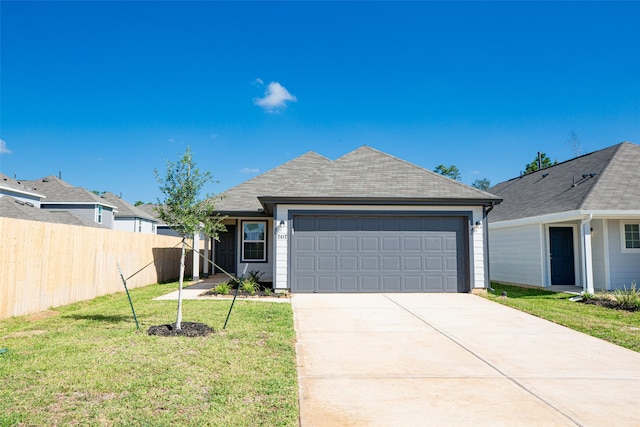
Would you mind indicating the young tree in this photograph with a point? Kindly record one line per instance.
(448, 171)
(545, 162)
(481, 184)
(183, 210)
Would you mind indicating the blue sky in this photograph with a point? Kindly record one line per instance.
(106, 92)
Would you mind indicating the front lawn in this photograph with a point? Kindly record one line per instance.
(85, 364)
(617, 326)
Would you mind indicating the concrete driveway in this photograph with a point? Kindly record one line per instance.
(454, 360)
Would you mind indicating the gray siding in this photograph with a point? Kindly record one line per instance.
(624, 267)
(87, 212)
(515, 254)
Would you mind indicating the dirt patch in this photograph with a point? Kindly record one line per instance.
(189, 329)
(41, 315)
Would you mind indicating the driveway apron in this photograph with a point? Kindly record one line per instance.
(453, 360)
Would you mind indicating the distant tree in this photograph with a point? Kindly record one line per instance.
(481, 184)
(98, 193)
(182, 209)
(544, 160)
(574, 143)
(138, 203)
(448, 171)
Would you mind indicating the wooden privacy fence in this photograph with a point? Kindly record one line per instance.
(44, 265)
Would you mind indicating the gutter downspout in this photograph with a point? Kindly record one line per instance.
(485, 238)
(587, 258)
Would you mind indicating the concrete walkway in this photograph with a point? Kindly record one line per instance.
(454, 360)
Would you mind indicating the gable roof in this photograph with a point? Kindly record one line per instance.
(58, 191)
(364, 175)
(244, 197)
(603, 180)
(11, 207)
(125, 209)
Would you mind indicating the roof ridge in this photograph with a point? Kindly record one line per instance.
(413, 165)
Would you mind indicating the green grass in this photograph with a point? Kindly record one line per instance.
(85, 364)
(617, 326)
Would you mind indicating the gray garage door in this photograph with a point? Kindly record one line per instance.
(367, 253)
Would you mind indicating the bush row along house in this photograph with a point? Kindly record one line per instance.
(51, 199)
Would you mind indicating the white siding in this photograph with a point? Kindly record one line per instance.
(624, 267)
(516, 254)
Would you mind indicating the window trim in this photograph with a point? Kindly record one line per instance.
(99, 213)
(623, 237)
(243, 241)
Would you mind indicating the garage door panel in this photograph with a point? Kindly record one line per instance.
(327, 264)
(378, 253)
(328, 284)
(369, 263)
(391, 283)
(370, 283)
(412, 283)
(369, 243)
(411, 244)
(326, 244)
(412, 263)
(391, 263)
(348, 243)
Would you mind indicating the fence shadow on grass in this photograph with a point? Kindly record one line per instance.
(116, 318)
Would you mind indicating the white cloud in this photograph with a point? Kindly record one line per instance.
(249, 170)
(275, 97)
(3, 148)
(259, 81)
(172, 140)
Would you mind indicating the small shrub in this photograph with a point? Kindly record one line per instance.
(587, 296)
(268, 292)
(255, 275)
(249, 286)
(222, 288)
(628, 298)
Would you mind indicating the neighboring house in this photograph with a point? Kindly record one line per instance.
(11, 207)
(366, 222)
(62, 196)
(129, 217)
(575, 223)
(162, 228)
(13, 188)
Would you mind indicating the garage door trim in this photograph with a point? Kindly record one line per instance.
(466, 260)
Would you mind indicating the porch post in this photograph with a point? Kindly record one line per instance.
(196, 256)
(587, 257)
(205, 264)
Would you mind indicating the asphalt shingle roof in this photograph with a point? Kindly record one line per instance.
(11, 207)
(607, 179)
(59, 191)
(369, 173)
(364, 173)
(244, 197)
(11, 185)
(125, 209)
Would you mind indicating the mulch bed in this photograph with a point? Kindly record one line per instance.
(609, 304)
(189, 329)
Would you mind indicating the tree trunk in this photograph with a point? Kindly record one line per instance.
(179, 316)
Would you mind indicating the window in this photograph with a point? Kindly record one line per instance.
(99, 215)
(630, 237)
(254, 241)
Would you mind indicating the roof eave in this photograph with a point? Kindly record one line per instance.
(269, 201)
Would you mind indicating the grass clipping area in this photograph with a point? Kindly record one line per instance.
(85, 364)
(616, 326)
